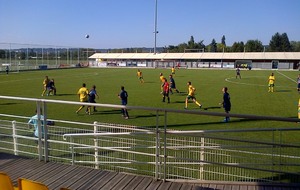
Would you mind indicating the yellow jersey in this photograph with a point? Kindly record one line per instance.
(173, 70)
(46, 81)
(83, 93)
(162, 78)
(139, 73)
(271, 79)
(191, 90)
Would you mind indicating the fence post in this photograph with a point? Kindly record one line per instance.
(45, 131)
(15, 137)
(165, 147)
(157, 148)
(72, 149)
(96, 145)
(39, 126)
(273, 154)
(280, 152)
(202, 140)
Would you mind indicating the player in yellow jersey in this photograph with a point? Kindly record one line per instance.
(162, 81)
(191, 95)
(83, 94)
(45, 84)
(161, 77)
(173, 70)
(140, 76)
(271, 81)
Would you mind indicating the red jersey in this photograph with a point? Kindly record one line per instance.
(166, 87)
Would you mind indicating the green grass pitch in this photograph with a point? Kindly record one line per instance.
(249, 95)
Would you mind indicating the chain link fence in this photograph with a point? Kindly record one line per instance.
(16, 57)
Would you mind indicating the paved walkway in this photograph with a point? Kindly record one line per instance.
(56, 175)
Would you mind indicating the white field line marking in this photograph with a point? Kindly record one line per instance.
(286, 76)
(249, 84)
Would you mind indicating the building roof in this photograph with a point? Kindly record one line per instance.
(201, 55)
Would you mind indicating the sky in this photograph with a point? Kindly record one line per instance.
(131, 23)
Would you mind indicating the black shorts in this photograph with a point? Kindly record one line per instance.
(191, 97)
(227, 108)
(92, 101)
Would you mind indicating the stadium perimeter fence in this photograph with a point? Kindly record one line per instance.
(20, 57)
(221, 155)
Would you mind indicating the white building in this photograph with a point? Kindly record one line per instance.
(258, 60)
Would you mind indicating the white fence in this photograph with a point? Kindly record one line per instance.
(226, 155)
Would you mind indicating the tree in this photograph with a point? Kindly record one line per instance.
(279, 43)
(238, 47)
(200, 45)
(286, 46)
(254, 46)
(223, 42)
(191, 43)
(2, 54)
(170, 49)
(213, 46)
(181, 47)
(295, 46)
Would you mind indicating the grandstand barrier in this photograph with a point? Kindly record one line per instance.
(160, 152)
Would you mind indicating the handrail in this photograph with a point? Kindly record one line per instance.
(104, 134)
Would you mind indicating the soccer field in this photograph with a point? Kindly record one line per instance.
(249, 95)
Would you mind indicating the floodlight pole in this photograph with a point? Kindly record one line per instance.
(87, 56)
(155, 27)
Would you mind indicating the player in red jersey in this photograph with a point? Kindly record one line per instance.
(166, 89)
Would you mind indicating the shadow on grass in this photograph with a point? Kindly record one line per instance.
(212, 107)
(221, 122)
(83, 112)
(145, 116)
(65, 95)
(9, 103)
(283, 91)
(180, 93)
(179, 102)
(107, 112)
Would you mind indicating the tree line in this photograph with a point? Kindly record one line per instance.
(278, 43)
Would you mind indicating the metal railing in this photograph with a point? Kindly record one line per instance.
(223, 155)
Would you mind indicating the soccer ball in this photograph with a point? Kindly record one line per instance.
(87, 36)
